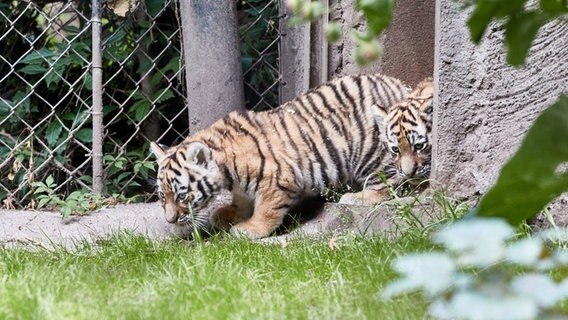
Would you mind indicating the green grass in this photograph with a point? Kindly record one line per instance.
(133, 277)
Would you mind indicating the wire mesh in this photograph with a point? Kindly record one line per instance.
(260, 40)
(46, 92)
(45, 97)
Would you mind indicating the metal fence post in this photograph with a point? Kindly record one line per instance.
(97, 108)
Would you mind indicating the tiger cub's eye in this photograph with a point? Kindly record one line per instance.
(395, 149)
(181, 196)
(161, 195)
(419, 146)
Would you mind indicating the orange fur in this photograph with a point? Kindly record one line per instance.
(271, 160)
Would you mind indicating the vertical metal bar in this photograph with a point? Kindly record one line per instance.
(97, 108)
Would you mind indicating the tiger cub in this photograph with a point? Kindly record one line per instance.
(406, 130)
(270, 160)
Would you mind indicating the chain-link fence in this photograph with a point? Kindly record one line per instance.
(46, 91)
(260, 49)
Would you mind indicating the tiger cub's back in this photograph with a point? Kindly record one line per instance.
(328, 136)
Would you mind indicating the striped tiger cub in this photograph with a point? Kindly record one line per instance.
(270, 160)
(406, 130)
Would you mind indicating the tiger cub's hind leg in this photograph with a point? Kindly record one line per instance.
(269, 212)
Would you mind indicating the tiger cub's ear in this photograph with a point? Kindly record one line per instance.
(424, 89)
(427, 106)
(424, 93)
(199, 154)
(158, 151)
(379, 115)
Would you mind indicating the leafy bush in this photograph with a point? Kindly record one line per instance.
(77, 202)
(482, 275)
(45, 103)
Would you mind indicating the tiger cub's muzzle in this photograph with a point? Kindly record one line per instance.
(175, 213)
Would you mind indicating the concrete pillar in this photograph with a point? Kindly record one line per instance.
(408, 44)
(212, 60)
(294, 57)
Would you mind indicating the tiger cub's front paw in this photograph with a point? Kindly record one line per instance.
(249, 231)
(365, 197)
(352, 198)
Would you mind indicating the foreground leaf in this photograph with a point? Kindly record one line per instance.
(377, 12)
(520, 31)
(531, 179)
(487, 10)
(431, 272)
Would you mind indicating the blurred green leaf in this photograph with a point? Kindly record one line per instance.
(140, 109)
(53, 132)
(520, 31)
(123, 176)
(81, 118)
(153, 7)
(86, 179)
(68, 116)
(174, 64)
(43, 202)
(54, 76)
(39, 56)
(5, 106)
(65, 212)
(554, 7)
(33, 69)
(88, 81)
(163, 95)
(49, 181)
(84, 135)
(377, 12)
(116, 37)
(530, 180)
(333, 32)
(479, 20)
(487, 10)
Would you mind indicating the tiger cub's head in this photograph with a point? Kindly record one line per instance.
(187, 180)
(407, 129)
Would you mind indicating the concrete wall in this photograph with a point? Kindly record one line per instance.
(408, 44)
(484, 107)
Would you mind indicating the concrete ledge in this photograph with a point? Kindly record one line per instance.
(388, 219)
(47, 229)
